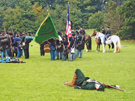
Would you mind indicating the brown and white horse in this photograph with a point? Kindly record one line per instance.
(98, 42)
(112, 39)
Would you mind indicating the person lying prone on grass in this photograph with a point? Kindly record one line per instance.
(11, 60)
(82, 82)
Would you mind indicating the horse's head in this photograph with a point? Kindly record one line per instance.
(94, 33)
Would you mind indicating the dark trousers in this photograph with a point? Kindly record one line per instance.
(42, 53)
(26, 52)
(79, 74)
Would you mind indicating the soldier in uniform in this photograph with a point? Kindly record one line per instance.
(4, 46)
(107, 34)
(83, 31)
(11, 60)
(16, 41)
(52, 48)
(64, 47)
(103, 30)
(58, 46)
(80, 44)
(27, 39)
(86, 83)
(72, 46)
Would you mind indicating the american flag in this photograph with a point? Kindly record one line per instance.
(68, 25)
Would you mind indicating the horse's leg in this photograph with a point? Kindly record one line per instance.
(117, 50)
(103, 47)
(118, 45)
(114, 47)
(86, 47)
(102, 41)
(97, 48)
(109, 47)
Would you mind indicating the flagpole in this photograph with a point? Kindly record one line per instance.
(48, 12)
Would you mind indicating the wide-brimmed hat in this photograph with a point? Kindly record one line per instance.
(73, 34)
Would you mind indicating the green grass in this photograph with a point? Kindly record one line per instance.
(40, 79)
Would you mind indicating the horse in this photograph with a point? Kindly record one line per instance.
(112, 39)
(88, 42)
(116, 41)
(98, 42)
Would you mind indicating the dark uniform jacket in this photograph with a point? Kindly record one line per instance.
(104, 31)
(16, 41)
(65, 44)
(52, 43)
(81, 81)
(80, 42)
(108, 32)
(58, 46)
(26, 42)
(6, 44)
(72, 43)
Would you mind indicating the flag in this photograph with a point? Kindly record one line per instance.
(46, 30)
(68, 25)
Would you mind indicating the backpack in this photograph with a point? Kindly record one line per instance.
(47, 48)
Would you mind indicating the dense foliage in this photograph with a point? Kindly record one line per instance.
(28, 15)
(127, 11)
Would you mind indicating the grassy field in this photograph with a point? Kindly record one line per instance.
(40, 79)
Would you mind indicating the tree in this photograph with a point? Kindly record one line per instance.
(87, 7)
(112, 18)
(32, 12)
(20, 18)
(59, 17)
(12, 21)
(1, 17)
(127, 12)
(96, 21)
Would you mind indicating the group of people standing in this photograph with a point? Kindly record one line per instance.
(66, 48)
(63, 48)
(12, 43)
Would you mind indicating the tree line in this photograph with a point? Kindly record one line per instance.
(90, 14)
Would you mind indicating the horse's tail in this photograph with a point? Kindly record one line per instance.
(119, 45)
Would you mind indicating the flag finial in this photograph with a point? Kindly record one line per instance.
(48, 12)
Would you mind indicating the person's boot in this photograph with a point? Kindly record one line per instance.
(73, 81)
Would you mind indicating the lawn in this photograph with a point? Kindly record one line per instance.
(40, 79)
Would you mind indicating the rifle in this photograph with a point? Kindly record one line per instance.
(12, 32)
(5, 30)
(114, 87)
